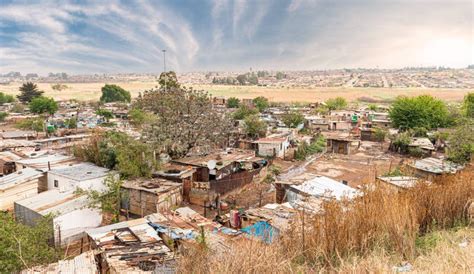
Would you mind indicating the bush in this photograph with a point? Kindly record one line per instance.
(336, 103)
(254, 127)
(36, 124)
(3, 115)
(5, 98)
(415, 152)
(461, 143)
(233, 102)
(304, 150)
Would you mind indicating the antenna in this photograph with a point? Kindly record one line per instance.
(164, 66)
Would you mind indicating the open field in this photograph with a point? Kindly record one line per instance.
(91, 91)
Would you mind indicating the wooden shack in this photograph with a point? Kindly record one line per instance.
(148, 196)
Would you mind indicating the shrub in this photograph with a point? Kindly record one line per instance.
(233, 102)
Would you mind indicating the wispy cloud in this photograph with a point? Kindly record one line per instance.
(125, 36)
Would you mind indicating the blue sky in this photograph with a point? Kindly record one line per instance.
(200, 35)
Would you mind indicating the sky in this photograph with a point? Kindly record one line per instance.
(112, 36)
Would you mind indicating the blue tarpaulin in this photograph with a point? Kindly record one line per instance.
(174, 233)
(262, 230)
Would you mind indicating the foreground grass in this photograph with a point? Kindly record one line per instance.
(374, 233)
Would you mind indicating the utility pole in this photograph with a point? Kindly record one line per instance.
(164, 66)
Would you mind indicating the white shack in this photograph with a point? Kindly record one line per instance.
(273, 146)
(17, 186)
(82, 175)
(70, 211)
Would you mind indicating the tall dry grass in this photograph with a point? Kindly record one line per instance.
(379, 222)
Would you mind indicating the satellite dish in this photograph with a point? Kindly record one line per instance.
(211, 164)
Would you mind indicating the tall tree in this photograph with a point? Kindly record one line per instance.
(29, 91)
(168, 79)
(422, 111)
(261, 103)
(185, 119)
(114, 93)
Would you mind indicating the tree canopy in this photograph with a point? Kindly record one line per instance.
(254, 127)
(42, 105)
(336, 103)
(23, 246)
(422, 111)
(233, 102)
(169, 79)
(261, 103)
(292, 119)
(29, 91)
(114, 93)
(116, 150)
(185, 119)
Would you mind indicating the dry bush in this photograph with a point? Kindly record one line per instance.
(380, 222)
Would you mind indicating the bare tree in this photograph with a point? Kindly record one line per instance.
(185, 120)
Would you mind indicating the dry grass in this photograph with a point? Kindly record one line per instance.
(91, 91)
(373, 234)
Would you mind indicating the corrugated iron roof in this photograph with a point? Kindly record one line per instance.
(82, 172)
(19, 177)
(321, 186)
(400, 181)
(437, 166)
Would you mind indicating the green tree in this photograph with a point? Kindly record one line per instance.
(254, 127)
(422, 111)
(261, 103)
(461, 142)
(233, 102)
(244, 111)
(468, 105)
(242, 79)
(109, 200)
(292, 119)
(169, 79)
(107, 114)
(3, 115)
(336, 103)
(23, 246)
(114, 93)
(115, 150)
(29, 91)
(5, 98)
(42, 105)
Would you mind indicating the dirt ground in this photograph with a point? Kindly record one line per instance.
(362, 167)
(91, 91)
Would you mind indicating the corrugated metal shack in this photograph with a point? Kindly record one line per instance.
(131, 247)
(82, 264)
(430, 168)
(17, 186)
(221, 172)
(148, 196)
(71, 214)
